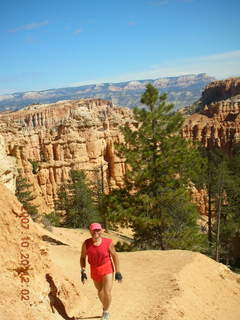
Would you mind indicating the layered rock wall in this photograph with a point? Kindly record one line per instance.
(49, 140)
(218, 123)
(66, 135)
(220, 90)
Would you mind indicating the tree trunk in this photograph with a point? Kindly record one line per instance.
(105, 220)
(210, 215)
(220, 191)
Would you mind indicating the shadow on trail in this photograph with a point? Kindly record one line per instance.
(93, 317)
(55, 302)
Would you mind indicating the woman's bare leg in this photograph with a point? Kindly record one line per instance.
(99, 287)
(107, 283)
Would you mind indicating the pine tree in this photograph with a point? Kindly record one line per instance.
(210, 180)
(100, 198)
(25, 196)
(75, 199)
(222, 182)
(155, 198)
(228, 226)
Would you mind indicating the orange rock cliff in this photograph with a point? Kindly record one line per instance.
(216, 125)
(218, 122)
(81, 134)
(61, 136)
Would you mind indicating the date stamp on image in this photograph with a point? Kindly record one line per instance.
(24, 257)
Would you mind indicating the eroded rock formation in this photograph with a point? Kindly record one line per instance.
(216, 125)
(49, 140)
(220, 90)
(218, 122)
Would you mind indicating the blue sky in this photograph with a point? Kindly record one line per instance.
(52, 44)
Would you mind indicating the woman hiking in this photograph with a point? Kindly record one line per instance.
(103, 260)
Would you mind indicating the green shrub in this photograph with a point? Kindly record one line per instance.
(51, 219)
(124, 246)
(35, 166)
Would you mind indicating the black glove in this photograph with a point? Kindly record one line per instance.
(118, 276)
(83, 276)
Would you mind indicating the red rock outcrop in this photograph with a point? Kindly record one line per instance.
(220, 90)
(218, 123)
(62, 136)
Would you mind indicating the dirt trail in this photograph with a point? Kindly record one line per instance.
(167, 285)
(149, 282)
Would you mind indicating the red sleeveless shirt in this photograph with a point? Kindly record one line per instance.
(98, 255)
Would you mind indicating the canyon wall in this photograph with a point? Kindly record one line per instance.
(218, 122)
(216, 125)
(49, 140)
(221, 90)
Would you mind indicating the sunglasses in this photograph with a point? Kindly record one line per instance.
(97, 230)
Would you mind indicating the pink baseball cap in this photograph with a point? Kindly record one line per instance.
(94, 226)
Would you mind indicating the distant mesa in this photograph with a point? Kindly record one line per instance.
(182, 91)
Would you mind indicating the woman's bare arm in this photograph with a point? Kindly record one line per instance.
(114, 256)
(83, 257)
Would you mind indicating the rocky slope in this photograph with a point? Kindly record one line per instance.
(30, 281)
(49, 140)
(182, 91)
(8, 169)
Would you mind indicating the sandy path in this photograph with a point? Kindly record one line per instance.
(144, 289)
(165, 285)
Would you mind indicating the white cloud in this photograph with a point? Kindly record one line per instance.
(222, 56)
(221, 65)
(78, 31)
(30, 26)
(6, 97)
(159, 3)
(38, 95)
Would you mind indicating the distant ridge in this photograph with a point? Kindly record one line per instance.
(182, 91)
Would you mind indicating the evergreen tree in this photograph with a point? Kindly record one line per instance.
(99, 195)
(25, 196)
(76, 201)
(222, 182)
(228, 203)
(210, 180)
(160, 165)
